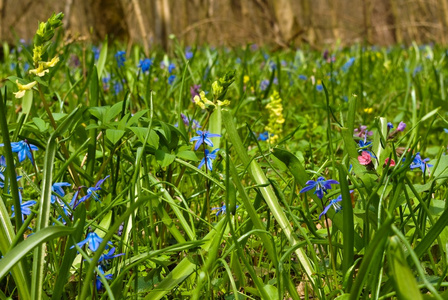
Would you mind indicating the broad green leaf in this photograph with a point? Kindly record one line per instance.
(188, 155)
(164, 159)
(113, 111)
(114, 135)
(41, 124)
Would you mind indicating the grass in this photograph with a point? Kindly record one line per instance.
(240, 226)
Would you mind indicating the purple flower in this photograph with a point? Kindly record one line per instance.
(401, 126)
(145, 64)
(204, 137)
(362, 131)
(207, 160)
(92, 240)
(321, 186)
(23, 149)
(91, 191)
(194, 90)
(418, 162)
(188, 54)
(57, 188)
(120, 58)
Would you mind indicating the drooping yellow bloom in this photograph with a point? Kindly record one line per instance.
(51, 63)
(23, 88)
(276, 119)
(223, 103)
(40, 71)
(202, 101)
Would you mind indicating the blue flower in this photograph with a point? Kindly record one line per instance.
(118, 87)
(204, 137)
(25, 207)
(2, 164)
(57, 188)
(445, 129)
(120, 58)
(390, 125)
(145, 64)
(188, 54)
(303, 77)
(321, 186)
(98, 283)
(418, 162)
(264, 84)
(93, 241)
(207, 160)
(108, 256)
(23, 149)
(348, 64)
(171, 68)
(337, 207)
(264, 136)
(96, 52)
(221, 210)
(91, 191)
(319, 86)
(2, 178)
(171, 79)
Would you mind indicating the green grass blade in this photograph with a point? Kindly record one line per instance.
(266, 190)
(13, 256)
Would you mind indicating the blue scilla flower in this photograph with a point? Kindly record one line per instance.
(92, 240)
(418, 162)
(108, 256)
(204, 137)
(23, 149)
(2, 180)
(264, 84)
(207, 160)
(221, 210)
(25, 207)
(96, 52)
(171, 68)
(118, 87)
(57, 189)
(319, 86)
(2, 164)
(91, 192)
(120, 58)
(188, 54)
(445, 129)
(145, 64)
(264, 136)
(348, 64)
(171, 79)
(321, 186)
(337, 207)
(98, 283)
(303, 77)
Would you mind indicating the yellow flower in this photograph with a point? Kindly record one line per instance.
(276, 119)
(51, 63)
(23, 88)
(202, 101)
(223, 103)
(246, 79)
(40, 71)
(368, 110)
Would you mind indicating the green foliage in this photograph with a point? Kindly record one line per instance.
(134, 217)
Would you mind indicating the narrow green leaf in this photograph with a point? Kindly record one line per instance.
(102, 59)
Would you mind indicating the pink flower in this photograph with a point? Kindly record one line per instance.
(365, 158)
(390, 163)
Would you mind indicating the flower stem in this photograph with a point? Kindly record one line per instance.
(332, 255)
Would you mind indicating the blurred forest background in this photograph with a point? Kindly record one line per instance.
(279, 23)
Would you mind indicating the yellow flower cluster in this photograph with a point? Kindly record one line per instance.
(276, 119)
(204, 103)
(23, 88)
(43, 67)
